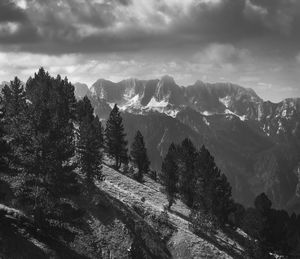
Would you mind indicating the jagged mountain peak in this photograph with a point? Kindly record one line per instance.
(102, 80)
(198, 83)
(166, 88)
(167, 79)
(4, 83)
(223, 89)
(81, 90)
(130, 80)
(291, 102)
(164, 95)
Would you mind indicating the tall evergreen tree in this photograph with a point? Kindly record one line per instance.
(170, 174)
(52, 108)
(213, 192)
(14, 99)
(139, 155)
(90, 140)
(263, 206)
(115, 142)
(4, 152)
(98, 131)
(187, 160)
(16, 124)
(4, 147)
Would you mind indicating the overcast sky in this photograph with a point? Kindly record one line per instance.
(254, 43)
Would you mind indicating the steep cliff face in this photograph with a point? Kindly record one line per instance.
(255, 142)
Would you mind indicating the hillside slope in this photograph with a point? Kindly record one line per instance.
(183, 243)
(122, 220)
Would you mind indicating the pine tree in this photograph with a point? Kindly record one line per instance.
(213, 192)
(4, 147)
(16, 124)
(14, 99)
(187, 160)
(139, 155)
(5, 151)
(115, 138)
(170, 174)
(90, 140)
(51, 175)
(263, 206)
(98, 130)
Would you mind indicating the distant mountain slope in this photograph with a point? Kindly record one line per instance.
(255, 142)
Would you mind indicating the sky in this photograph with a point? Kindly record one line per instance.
(253, 43)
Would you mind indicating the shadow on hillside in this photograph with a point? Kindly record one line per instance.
(222, 245)
(106, 209)
(17, 240)
(179, 214)
(237, 237)
(14, 245)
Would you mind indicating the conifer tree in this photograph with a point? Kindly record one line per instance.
(115, 142)
(14, 99)
(4, 147)
(187, 159)
(98, 130)
(51, 172)
(139, 155)
(16, 124)
(263, 206)
(170, 174)
(90, 140)
(213, 192)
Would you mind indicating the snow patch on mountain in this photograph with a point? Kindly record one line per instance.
(280, 127)
(225, 100)
(154, 103)
(111, 105)
(133, 102)
(266, 129)
(206, 121)
(207, 113)
(242, 118)
(171, 112)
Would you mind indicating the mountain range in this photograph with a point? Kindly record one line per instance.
(256, 143)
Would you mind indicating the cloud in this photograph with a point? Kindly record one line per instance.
(130, 25)
(222, 54)
(298, 58)
(95, 26)
(10, 12)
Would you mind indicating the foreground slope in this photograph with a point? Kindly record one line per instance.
(149, 200)
(122, 219)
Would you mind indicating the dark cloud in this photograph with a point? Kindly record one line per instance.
(126, 25)
(223, 22)
(124, 2)
(15, 25)
(10, 12)
(24, 33)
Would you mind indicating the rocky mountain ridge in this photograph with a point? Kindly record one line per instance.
(255, 142)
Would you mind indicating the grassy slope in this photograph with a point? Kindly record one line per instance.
(112, 226)
(183, 243)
